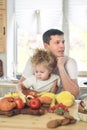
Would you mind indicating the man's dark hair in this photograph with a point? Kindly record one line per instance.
(47, 35)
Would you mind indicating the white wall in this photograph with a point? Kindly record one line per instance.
(10, 32)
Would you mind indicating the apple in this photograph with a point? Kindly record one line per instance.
(19, 103)
(35, 103)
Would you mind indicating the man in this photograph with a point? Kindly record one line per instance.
(66, 68)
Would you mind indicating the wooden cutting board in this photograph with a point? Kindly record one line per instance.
(25, 110)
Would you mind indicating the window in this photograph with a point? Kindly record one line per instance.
(32, 18)
(78, 32)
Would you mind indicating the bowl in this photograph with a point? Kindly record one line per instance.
(82, 110)
(82, 116)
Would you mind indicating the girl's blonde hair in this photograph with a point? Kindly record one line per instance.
(41, 56)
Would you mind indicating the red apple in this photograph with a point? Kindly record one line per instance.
(35, 103)
(19, 103)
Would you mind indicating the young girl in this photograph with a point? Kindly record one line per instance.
(43, 79)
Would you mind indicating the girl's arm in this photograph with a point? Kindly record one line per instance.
(25, 91)
(54, 87)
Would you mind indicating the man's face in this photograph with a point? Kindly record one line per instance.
(56, 45)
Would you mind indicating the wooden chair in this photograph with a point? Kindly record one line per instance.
(1, 68)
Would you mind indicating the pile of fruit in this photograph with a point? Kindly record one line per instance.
(60, 109)
(64, 97)
(57, 103)
(19, 100)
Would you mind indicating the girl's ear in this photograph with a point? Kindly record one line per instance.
(50, 71)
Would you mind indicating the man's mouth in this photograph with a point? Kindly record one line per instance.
(62, 51)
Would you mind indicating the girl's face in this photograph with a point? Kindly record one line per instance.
(41, 72)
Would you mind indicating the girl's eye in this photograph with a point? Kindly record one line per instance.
(42, 72)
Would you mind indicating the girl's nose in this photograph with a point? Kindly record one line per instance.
(38, 74)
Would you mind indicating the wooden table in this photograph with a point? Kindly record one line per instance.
(29, 122)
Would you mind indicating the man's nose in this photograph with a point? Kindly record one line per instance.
(62, 45)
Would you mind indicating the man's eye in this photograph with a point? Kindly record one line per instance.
(57, 42)
(63, 42)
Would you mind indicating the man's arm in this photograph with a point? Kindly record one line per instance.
(68, 84)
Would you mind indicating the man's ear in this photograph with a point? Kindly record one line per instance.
(45, 45)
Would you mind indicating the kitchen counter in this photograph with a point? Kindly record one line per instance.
(83, 87)
(6, 87)
(29, 122)
(81, 81)
(7, 84)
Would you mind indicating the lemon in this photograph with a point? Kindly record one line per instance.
(66, 98)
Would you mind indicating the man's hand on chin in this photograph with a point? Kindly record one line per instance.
(61, 61)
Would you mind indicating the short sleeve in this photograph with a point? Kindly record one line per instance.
(29, 82)
(71, 68)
